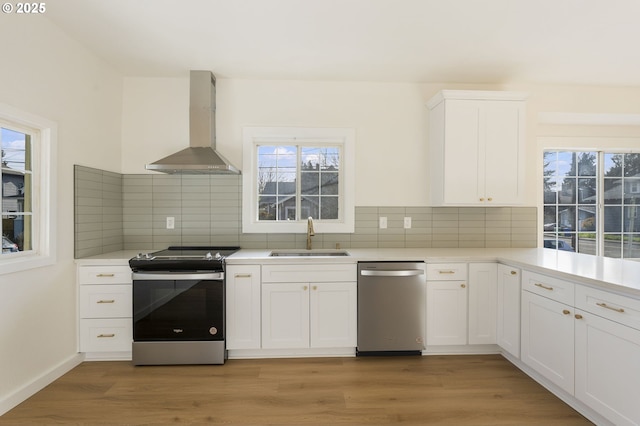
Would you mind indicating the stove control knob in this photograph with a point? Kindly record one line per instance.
(208, 256)
(213, 331)
(218, 256)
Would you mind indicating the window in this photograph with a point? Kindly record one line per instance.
(296, 173)
(590, 202)
(26, 171)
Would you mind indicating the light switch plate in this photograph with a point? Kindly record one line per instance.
(171, 222)
(383, 222)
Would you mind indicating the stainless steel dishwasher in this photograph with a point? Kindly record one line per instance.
(391, 308)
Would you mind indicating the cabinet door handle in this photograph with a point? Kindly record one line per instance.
(446, 272)
(514, 273)
(481, 199)
(578, 316)
(305, 287)
(489, 199)
(463, 285)
(105, 275)
(566, 312)
(242, 276)
(102, 336)
(106, 301)
(543, 286)
(604, 305)
(315, 287)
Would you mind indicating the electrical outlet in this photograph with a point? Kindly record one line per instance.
(407, 223)
(171, 222)
(383, 222)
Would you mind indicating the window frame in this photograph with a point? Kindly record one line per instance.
(299, 136)
(44, 142)
(600, 145)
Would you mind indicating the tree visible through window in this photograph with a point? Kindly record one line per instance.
(16, 190)
(591, 201)
(298, 181)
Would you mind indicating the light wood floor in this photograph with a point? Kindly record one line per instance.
(435, 390)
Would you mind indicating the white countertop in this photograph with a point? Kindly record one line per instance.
(622, 276)
(113, 258)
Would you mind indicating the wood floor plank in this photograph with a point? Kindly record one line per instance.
(435, 390)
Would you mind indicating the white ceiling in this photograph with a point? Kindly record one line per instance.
(454, 41)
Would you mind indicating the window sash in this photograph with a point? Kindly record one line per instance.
(612, 209)
(304, 196)
(42, 214)
(305, 137)
(24, 206)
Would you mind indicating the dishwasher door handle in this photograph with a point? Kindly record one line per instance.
(391, 273)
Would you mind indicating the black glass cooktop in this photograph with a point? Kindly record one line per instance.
(187, 258)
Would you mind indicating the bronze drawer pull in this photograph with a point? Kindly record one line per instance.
(100, 336)
(604, 305)
(543, 286)
(106, 301)
(105, 275)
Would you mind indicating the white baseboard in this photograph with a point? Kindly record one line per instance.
(39, 383)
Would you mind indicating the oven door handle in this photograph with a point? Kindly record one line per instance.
(169, 275)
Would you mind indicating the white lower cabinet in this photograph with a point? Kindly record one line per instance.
(483, 300)
(309, 315)
(105, 307)
(548, 339)
(243, 306)
(101, 338)
(607, 339)
(333, 315)
(608, 368)
(285, 315)
(305, 312)
(508, 309)
(461, 304)
(446, 313)
(587, 342)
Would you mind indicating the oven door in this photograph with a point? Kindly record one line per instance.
(178, 306)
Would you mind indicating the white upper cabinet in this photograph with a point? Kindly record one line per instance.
(476, 148)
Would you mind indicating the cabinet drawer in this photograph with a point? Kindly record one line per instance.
(553, 288)
(104, 275)
(299, 273)
(446, 271)
(106, 335)
(99, 301)
(621, 309)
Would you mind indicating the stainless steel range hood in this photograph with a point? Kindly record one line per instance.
(201, 156)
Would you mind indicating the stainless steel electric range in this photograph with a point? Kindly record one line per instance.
(178, 306)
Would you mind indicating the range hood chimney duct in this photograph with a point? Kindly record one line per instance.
(201, 156)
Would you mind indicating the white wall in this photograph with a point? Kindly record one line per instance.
(45, 73)
(390, 119)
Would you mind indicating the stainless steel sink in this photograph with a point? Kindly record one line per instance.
(308, 253)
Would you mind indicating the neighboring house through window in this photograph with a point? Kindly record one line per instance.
(296, 173)
(27, 147)
(591, 201)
